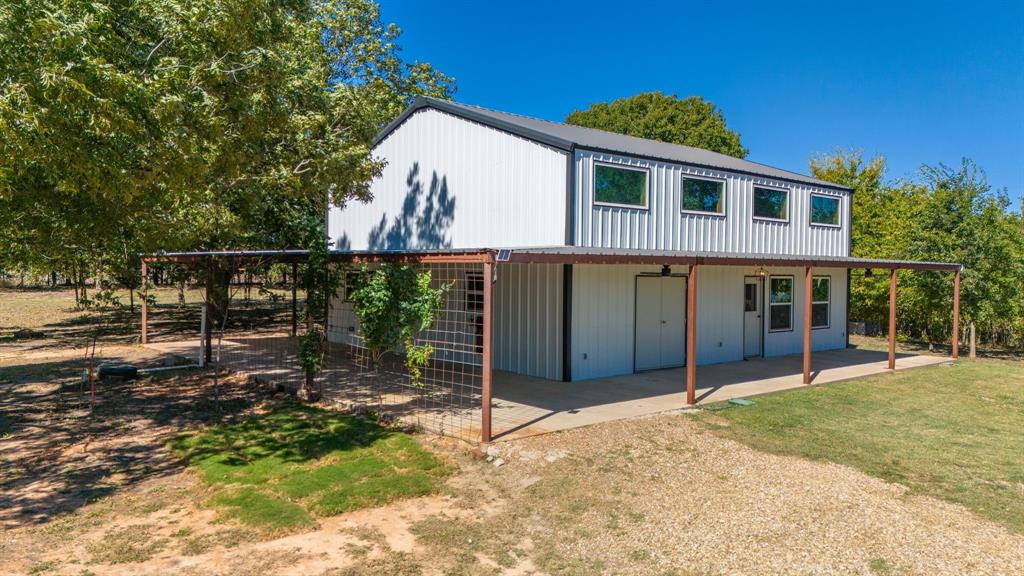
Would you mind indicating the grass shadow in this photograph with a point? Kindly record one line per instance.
(279, 470)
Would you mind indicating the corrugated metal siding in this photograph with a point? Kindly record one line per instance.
(603, 311)
(662, 226)
(528, 319)
(720, 314)
(604, 300)
(452, 183)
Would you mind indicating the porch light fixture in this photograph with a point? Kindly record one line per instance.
(762, 272)
(868, 273)
(666, 270)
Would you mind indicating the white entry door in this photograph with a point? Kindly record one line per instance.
(753, 327)
(660, 322)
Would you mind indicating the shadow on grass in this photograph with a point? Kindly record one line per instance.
(279, 470)
(290, 433)
(59, 457)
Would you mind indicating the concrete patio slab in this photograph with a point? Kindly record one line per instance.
(526, 406)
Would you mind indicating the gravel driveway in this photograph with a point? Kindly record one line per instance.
(660, 495)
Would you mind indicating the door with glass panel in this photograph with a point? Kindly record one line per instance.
(753, 326)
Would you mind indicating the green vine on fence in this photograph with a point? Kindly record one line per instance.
(394, 304)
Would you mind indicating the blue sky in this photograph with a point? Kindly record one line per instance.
(921, 83)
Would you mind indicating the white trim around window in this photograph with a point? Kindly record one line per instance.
(753, 203)
(593, 185)
(682, 195)
(839, 211)
(790, 304)
(827, 302)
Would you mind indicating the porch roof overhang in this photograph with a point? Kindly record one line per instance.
(584, 255)
(236, 255)
(561, 255)
(288, 256)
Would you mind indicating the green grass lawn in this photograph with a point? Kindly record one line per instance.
(279, 471)
(955, 433)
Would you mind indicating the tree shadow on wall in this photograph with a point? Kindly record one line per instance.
(425, 218)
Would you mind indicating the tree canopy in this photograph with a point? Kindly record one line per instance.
(691, 121)
(945, 214)
(136, 125)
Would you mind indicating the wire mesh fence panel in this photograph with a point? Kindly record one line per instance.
(258, 334)
(255, 331)
(256, 338)
(446, 399)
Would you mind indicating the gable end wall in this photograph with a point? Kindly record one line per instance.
(453, 183)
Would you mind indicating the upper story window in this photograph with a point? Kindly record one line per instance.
(703, 195)
(824, 210)
(771, 203)
(619, 185)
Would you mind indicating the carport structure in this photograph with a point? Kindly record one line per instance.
(490, 263)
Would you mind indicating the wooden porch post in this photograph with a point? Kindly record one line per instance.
(808, 310)
(295, 307)
(691, 336)
(956, 315)
(144, 306)
(892, 319)
(485, 400)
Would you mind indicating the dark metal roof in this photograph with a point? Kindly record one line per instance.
(567, 137)
(583, 255)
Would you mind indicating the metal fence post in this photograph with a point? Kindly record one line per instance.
(202, 335)
(485, 400)
(144, 306)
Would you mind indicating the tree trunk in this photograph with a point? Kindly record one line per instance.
(85, 294)
(218, 282)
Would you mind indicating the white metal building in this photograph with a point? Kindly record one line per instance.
(580, 255)
(597, 234)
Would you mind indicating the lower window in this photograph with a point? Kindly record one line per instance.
(780, 303)
(475, 306)
(821, 292)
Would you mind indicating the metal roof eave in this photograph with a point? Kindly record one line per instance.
(560, 255)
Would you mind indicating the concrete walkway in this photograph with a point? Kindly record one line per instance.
(525, 406)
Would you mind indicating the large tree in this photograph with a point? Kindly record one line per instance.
(134, 125)
(944, 214)
(691, 121)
